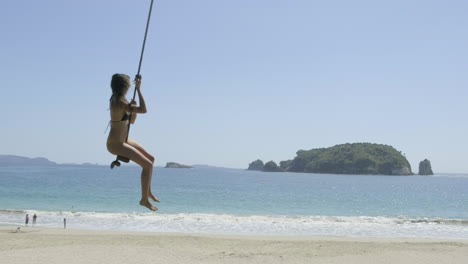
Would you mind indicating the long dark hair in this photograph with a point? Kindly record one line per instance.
(120, 84)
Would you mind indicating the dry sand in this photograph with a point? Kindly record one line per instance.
(66, 246)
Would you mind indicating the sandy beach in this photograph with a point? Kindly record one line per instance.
(43, 245)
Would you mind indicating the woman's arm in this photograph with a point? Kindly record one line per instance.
(134, 115)
(133, 107)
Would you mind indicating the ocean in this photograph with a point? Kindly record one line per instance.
(234, 201)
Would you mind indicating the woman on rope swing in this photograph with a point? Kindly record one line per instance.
(118, 143)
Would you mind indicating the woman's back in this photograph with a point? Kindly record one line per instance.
(119, 119)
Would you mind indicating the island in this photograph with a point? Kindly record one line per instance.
(174, 165)
(350, 158)
(256, 165)
(19, 160)
(13, 160)
(425, 168)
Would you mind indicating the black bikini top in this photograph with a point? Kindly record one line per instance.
(125, 117)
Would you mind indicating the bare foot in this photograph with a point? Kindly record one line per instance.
(154, 198)
(147, 204)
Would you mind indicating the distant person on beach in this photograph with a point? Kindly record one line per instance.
(34, 219)
(64, 223)
(122, 112)
(26, 221)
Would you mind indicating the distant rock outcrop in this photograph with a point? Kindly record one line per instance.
(174, 165)
(425, 168)
(256, 165)
(271, 166)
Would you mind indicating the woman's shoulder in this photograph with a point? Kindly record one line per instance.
(118, 101)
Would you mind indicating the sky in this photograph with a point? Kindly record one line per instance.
(229, 82)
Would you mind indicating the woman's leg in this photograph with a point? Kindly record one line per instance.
(150, 157)
(143, 151)
(126, 150)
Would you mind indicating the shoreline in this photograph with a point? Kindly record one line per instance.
(255, 225)
(54, 245)
(74, 230)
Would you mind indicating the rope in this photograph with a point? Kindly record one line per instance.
(139, 65)
(125, 159)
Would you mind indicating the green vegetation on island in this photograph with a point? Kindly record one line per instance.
(356, 158)
(256, 165)
(271, 166)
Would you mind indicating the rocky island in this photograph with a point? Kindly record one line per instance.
(174, 165)
(256, 165)
(425, 168)
(356, 158)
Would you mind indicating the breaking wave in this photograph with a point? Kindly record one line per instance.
(355, 226)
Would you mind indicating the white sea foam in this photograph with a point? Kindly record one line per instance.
(252, 224)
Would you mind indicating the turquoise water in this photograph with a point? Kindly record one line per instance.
(220, 200)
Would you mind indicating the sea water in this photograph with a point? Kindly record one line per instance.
(233, 201)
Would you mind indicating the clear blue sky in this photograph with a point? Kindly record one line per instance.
(227, 82)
